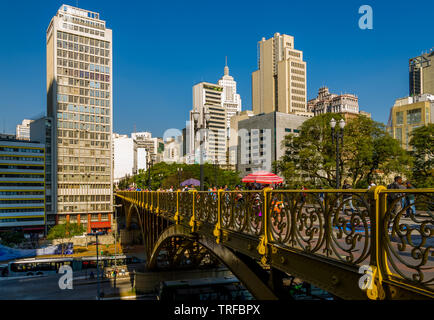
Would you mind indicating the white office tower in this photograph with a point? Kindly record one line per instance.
(23, 130)
(124, 157)
(211, 142)
(80, 100)
(231, 101)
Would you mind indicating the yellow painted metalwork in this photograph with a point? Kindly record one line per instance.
(381, 272)
(192, 223)
(177, 217)
(218, 226)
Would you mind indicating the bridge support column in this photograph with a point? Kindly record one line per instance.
(275, 282)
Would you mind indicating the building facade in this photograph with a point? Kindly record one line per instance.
(22, 186)
(79, 97)
(409, 113)
(207, 97)
(260, 138)
(23, 130)
(421, 74)
(124, 157)
(231, 100)
(345, 104)
(280, 83)
(41, 130)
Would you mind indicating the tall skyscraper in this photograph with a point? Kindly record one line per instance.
(207, 98)
(279, 84)
(231, 101)
(79, 97)
(421, 74)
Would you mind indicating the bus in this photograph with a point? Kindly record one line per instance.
(45, 266)
(35, 266)
(208, 289)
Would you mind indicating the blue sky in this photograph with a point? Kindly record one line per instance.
(162, 48)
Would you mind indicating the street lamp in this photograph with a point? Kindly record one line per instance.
(116, 236)
(337, 138)
(197, 127)
(96, 234)
(179, 176)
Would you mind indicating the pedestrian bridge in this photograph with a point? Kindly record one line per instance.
(358, 244)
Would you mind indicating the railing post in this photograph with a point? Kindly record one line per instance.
(152, 201)
(158, 203)
(263, 244)
(218, 226)
(177, 217)
(193, 215)
(375, 290)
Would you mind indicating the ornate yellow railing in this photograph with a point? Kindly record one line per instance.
(390, 232)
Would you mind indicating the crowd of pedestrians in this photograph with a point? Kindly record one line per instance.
(406, 199)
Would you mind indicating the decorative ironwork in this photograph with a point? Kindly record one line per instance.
(389, 230)
(408, 232)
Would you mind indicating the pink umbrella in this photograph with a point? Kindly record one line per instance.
(262, 177)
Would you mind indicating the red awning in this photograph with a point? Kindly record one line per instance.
(262, 177)
(100, 224)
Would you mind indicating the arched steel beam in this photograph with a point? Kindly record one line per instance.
(257, 287)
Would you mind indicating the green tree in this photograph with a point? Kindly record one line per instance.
(10, 238)
(65, 231)
(310, 157)
(164, 175)
(422, 143)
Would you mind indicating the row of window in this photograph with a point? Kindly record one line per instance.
(21, 193)
(82, 117)
(84, 198)
(67, 81)
(83, 135)
(83, 40)
(89, 160)
(20, 167)
(83, 74)
(18, 158)
(23, 150)
(83, 92)
(98, 186)
(14, 210)
(414, 116)
(82, 57)
(20, 220)
(21, 184)
(90, 207)
(82, 48)
(64, 98)
(21, 175)
(83, 126)
(19, 201)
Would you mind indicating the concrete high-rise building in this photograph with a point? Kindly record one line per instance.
(153, 146)
(231, 101)
(207, 97)
(80, 99)
(409, 113)
(124, 157)
(279, 84)
(234, 136)
(41, 130)
(260, 138)
(421, 74)
(22, 185)
(23, 130)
